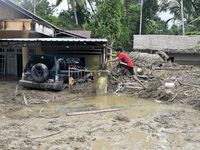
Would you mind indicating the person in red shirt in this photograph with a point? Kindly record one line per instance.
(126, 62)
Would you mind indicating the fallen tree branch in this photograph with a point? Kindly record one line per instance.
(188, 84)
(171, 100)
(24, 98)
(41, 110)
(42, 137)
(159, 68)
(16, 91)
(133, 87)
(92, 112)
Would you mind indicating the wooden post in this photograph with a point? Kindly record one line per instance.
(25, 56)
(69, 77)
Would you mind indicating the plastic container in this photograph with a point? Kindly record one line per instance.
(169, 85)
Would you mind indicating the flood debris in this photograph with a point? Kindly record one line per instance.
(142, 122)
(164, 80)
(46, 136)
(121, 117)
(25, 101)
(93, 111)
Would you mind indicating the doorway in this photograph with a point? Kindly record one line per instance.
(2, 64)
(19, 65)
(12, 64)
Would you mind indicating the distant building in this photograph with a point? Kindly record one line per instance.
(181, 49)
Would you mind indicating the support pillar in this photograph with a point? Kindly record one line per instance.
(25, 56)
(101, 83)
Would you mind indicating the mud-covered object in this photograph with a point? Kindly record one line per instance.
(39, 72)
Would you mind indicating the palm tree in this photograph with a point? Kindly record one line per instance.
(174, 6)
(74, 3)
(71, 3)
(190, 9)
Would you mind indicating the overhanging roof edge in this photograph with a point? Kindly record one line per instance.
(52, 40)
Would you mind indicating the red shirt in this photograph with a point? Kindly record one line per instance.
(125, 58)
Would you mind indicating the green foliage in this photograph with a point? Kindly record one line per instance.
(117, 21)
(64, 21)
(40, 5)
(75, 6)
(191, 12)
(109, 14)
(175, 30)
(193, 33)
(150, 10)
(49, 9)
(156, 27)
(130, 26)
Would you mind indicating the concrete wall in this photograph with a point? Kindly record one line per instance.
(16, 24)
(186, 59)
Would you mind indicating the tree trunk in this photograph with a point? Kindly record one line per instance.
(75, 14)
(34, 6)
(95, 16)
(68, 4)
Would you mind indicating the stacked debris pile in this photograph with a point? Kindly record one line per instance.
(159, 60)
(145, 59)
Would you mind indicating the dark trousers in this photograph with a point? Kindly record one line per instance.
(130, 69)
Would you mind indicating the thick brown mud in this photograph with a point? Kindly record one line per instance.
(42, 122)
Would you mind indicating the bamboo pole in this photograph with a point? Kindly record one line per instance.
(93, 112)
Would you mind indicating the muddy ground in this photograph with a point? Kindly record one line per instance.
(157, 118)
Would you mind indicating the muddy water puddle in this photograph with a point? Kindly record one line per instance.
(150, 125)
(134, 107)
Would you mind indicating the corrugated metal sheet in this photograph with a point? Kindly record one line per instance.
(166, 42)
(53, 40)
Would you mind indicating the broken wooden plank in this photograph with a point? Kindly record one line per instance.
(159, 68)
(93, 111)
(188, 84)
(133, 87)
(24, 98)
(42, 137)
